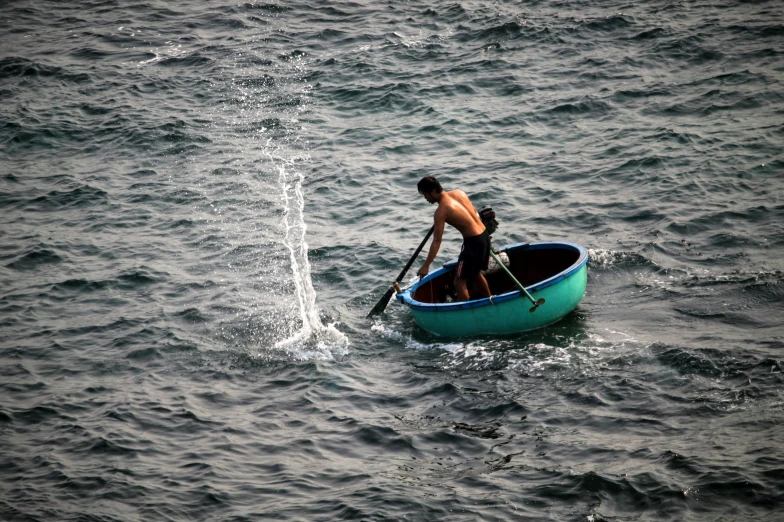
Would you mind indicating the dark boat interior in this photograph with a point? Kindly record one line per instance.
(529, 266)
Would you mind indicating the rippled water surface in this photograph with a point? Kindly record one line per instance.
(201, 201)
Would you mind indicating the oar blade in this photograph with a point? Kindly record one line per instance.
(382, 304)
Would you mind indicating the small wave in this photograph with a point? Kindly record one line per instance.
(728, 381)
(24, 139)
(106, 447)
(13, 66)
(704, 106)
(90, 53)
(699, 362)
(94, 110)
(136, 279)
(506, 31)
(35, 259)
(708, 221)
(452, 12)
(36, 415)
(647, 92)
(72, 20)
(140, 354)
(651, 34)
(639, 165)
(193, 60)
(271, 8)
(608, 24)
(144, 173)
(580, 108)
(689, 49)
(681, 138)
(130, 280)
(79, 285)
(191, 315)
(758, 31)
(772, 30)
(79, 197)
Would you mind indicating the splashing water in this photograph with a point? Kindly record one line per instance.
(267, 155)
(314, 339)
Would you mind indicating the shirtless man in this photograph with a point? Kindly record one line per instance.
(455, 208)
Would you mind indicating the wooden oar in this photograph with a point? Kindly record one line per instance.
(501, 264)
(382, 304)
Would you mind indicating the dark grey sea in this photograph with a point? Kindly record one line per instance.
(200, 202)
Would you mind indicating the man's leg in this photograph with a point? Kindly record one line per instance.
(461, 289)
(480, 286)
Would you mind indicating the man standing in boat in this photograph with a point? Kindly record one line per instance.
(455, 208)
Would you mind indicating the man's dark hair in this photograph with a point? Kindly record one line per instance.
(429, 184)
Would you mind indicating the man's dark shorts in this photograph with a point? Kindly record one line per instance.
(473, 256)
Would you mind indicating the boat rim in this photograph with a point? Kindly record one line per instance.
(406, 298)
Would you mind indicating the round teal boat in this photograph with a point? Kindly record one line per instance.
(554, 271)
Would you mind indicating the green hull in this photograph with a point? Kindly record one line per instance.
(510, 312)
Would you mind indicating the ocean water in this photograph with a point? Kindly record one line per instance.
(201, 201)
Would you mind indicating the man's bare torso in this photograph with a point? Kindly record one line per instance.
(458, 211)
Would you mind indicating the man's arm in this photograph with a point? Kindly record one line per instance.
(439, 222)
